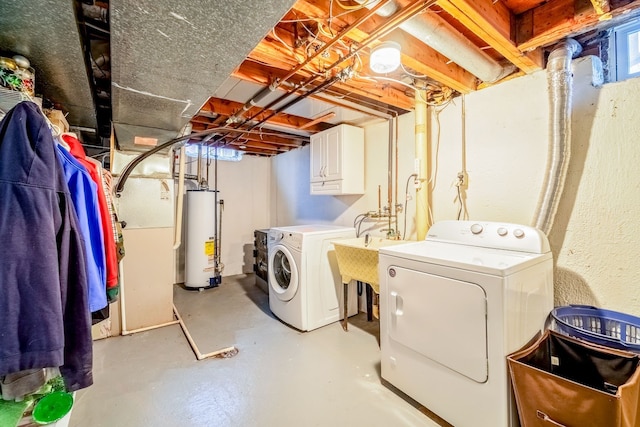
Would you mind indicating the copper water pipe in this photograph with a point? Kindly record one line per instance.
(335, 40)
(400, 17)
(279, 82)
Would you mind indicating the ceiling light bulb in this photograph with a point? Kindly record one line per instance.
(385, 58)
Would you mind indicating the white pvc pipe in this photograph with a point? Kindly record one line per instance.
(148, 328)
(442, 37)
(123, 314)
(194, 347)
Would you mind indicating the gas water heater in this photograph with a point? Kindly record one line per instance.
(202, 251)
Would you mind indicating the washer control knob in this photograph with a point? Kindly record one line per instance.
(518, 233)
(476, 229)
(502, 231)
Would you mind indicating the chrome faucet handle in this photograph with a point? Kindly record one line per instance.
(366, 240)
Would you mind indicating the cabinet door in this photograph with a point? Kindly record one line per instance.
(333, 162)
(318, 155)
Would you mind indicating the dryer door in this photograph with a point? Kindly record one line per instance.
(441, 318)
(283, 272)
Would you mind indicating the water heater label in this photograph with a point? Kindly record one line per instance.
(209, 248)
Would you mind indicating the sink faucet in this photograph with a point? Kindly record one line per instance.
(366, 240)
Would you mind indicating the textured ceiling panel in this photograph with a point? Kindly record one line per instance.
(169, 57)
(45, 32)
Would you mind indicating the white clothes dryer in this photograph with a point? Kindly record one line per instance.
(305, 287)
(453, 306)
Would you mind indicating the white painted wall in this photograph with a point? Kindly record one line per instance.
(293, 205)
(594, 239)
(244, 187)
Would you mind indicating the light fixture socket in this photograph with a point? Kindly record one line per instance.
(385, 57)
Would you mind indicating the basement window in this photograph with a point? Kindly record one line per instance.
(226, 154)
(625, 51)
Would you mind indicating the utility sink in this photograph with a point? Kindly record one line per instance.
(359, 261)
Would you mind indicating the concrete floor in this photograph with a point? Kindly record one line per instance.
(280, 377)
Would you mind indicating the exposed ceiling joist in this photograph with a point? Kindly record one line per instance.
(229, 108)
(555, 20)
(296, 46)
(492, 22)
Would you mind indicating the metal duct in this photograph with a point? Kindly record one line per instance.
(560, 81)
(442, 37)
(46, 32)
(168, 57)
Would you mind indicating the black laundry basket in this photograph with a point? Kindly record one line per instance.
(562, 381)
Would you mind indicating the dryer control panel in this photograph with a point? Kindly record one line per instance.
(497, 235)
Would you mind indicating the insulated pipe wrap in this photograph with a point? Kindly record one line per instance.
(560, 82)
(442, 37)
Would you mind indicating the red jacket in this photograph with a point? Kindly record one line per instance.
(77, 150)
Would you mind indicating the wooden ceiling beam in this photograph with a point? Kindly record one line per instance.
(318, 8)
(204, 120)
(492, 22)
(425, 60)
(269, 135)
(415, 54)
(229, 108)
(260, 145)
(555, 20)
(391, 94)
(274, 135)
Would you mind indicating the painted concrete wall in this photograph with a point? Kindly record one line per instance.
(293, 205)
(244, 187)
(505, 153)
(507, 127)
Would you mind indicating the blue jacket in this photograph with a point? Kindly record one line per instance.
(85, 200)
(44, 312)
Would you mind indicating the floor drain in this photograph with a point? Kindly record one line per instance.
(227, 354)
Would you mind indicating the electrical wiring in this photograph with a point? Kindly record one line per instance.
(418, 76)
(434, 174)
(462, 211)
(291, 49)
(355, 6)
(323, 31)
(330, 21)
(406, 199)
(358, 62)
(318, 18)
(461, 198)
(400, 82)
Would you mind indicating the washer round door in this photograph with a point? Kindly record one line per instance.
(283, 273)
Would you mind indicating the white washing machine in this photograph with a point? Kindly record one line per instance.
(453, 306)
(305, 287)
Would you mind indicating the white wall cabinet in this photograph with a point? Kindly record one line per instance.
(337, 161)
